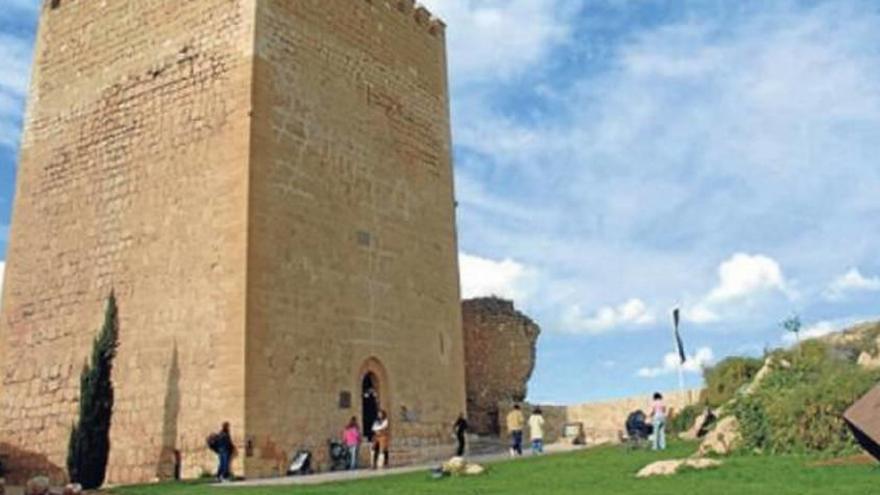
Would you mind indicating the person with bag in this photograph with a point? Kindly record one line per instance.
(221, 444)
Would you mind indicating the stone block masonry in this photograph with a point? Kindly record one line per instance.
(500, 349)
(267, 186)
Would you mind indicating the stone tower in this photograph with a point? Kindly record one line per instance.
(267, 186)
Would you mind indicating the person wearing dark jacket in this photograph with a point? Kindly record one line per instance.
(460, 428)
(225, 451)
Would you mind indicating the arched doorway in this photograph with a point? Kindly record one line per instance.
(375, 394)
(371, 403)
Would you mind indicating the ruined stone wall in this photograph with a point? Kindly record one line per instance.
(500, 345)
(132, 177)
(353, 256)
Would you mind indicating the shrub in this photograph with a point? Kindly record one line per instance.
(727, 377)
(89, 445)
(799, 408)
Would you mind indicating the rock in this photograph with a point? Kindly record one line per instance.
(668, 468)
(73, 489)
(499, 344)
(38, 485)
(474, 470)
(723, 439)
(456, 465)
(869, 362)
(701, 424)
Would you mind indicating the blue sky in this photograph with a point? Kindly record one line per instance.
(615, 158)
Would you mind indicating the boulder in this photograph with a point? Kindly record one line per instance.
(723, 440)
(668, 468)
(38, 485)
(700, 427)
(73, 489)
(474, 470)
(457, 466)
(869, 362)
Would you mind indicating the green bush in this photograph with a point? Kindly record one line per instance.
(799, 408)
(727, 377)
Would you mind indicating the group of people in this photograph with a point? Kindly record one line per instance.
(380, 436)
(516, 422)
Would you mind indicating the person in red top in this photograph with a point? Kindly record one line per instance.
(351, 437)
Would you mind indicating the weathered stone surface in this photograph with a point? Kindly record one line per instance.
(699, 428)
(267, 186)
(868, 361)
(668, 468)
(500, 357)
(723, 439)
(38, 485)
(458, 466)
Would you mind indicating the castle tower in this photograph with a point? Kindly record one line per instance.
(267, 186)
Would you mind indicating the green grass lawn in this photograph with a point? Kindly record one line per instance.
(599, 471)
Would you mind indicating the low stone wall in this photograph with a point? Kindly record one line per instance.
(603, 422)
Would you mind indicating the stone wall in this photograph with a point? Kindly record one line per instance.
(132, 177)
(603, 421)
(267, 186)
(500, 345)
(352, 249)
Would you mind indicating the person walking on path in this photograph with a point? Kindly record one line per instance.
(221, 443)
(536, 428)
(460, 428)
(381, 440)
(515, 424)
(351, 437)
(658, 419)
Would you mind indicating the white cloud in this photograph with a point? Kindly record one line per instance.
(694, 364)
(851, 281)
(742, 279)
(482, 277)
(745, 275)
(633, 312)
(496, 39)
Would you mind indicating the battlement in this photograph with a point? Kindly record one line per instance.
(419, 13)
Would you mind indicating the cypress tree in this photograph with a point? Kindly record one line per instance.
(89, 446)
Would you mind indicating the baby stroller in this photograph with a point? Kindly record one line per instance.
(301, 464)
(637, 430)
(340, 456)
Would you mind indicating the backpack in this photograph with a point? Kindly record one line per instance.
(213, 442)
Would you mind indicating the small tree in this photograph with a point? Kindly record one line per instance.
(793, 325)
(89, 446)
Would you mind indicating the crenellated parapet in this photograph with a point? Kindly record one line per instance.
(419, 13)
